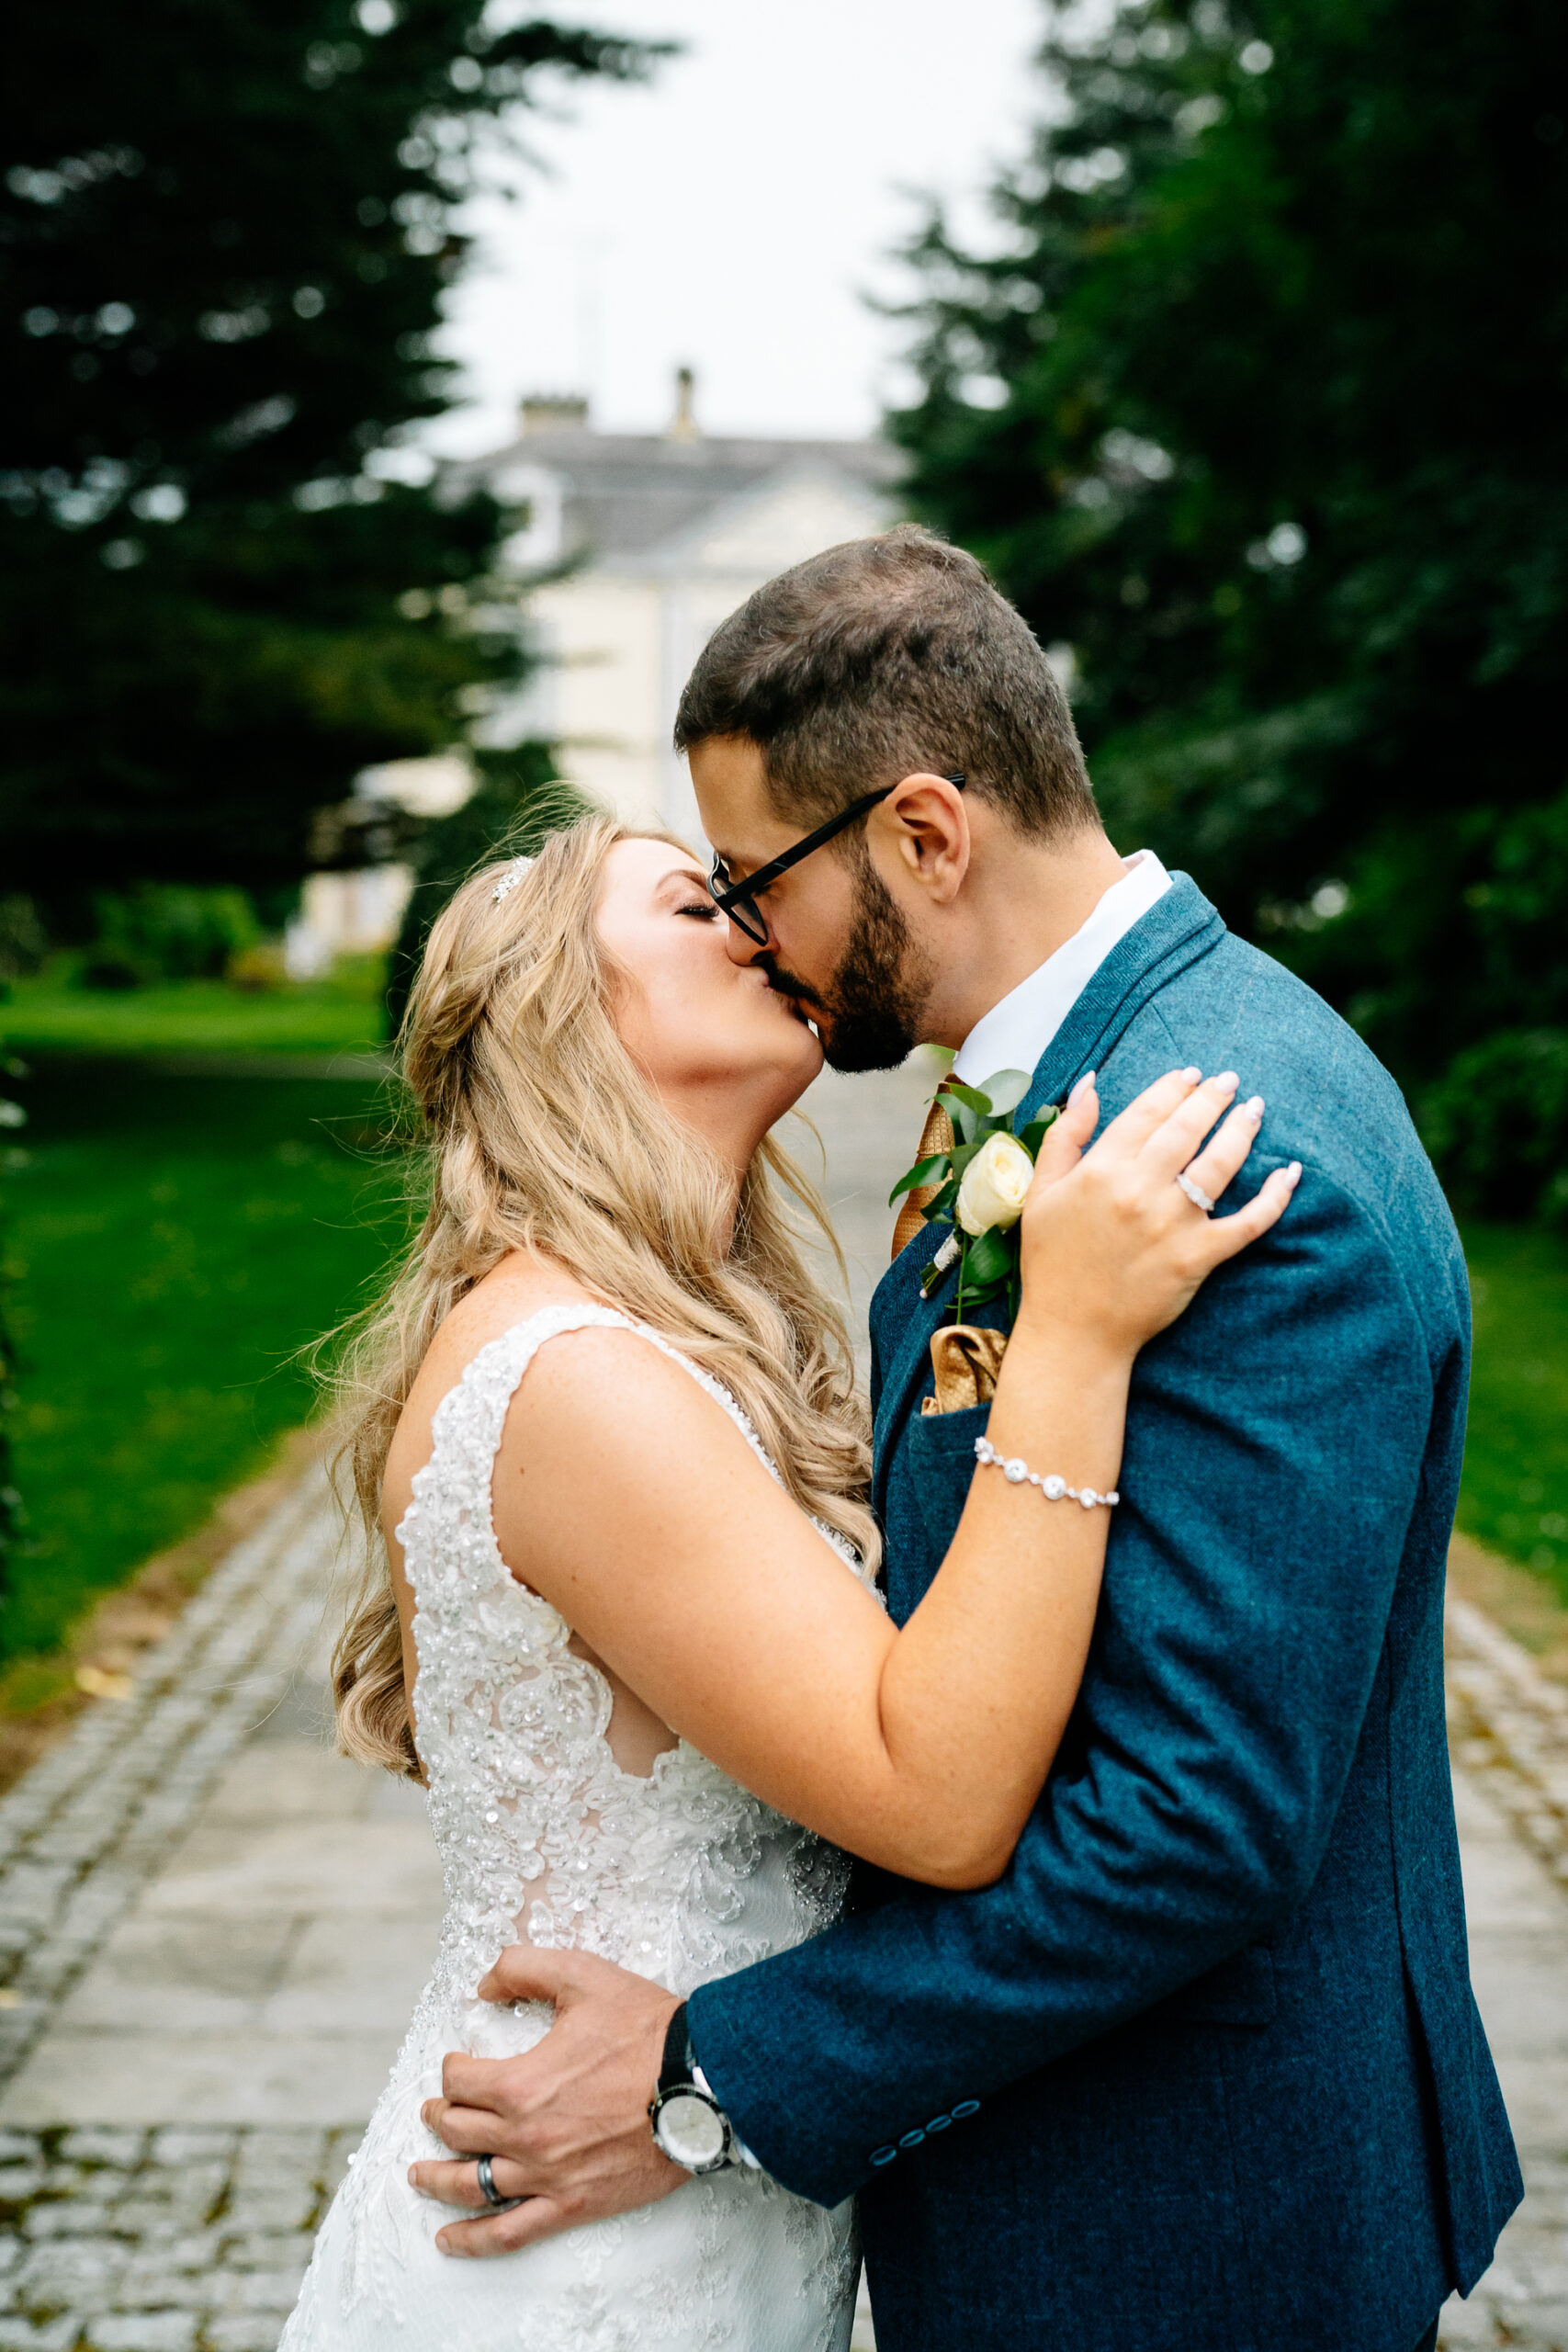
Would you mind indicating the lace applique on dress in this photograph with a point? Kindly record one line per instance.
(681, 1875)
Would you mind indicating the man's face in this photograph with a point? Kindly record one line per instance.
(838, 940)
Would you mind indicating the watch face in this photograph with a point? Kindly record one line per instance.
(690, 2131)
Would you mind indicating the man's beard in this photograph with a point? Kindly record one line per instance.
(874, 1001)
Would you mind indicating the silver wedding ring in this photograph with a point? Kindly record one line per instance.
(488, 2189)
(1196, 1194)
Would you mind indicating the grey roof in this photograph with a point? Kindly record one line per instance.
(627, 493)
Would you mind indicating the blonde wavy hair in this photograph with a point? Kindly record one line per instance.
(539, 1132)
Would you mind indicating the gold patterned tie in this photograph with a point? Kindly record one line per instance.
(936, 1135)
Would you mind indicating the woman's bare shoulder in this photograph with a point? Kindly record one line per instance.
(521, 1286)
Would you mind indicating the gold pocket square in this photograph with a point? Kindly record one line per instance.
(965, 1360)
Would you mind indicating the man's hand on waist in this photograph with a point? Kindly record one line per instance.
(566, 2124)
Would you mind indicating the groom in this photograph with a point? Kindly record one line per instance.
(1202, 2070)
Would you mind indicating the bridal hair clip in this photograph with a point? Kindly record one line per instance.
(1017, 1473)
(510, 880)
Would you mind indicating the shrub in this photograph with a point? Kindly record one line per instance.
(157, 931)
(254, 970)
(23, 941)
(1497, 1124)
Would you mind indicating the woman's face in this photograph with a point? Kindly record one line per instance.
(723, 1049)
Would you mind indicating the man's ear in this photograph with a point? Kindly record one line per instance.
(922, 829)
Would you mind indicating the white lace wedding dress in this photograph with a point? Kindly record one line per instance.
(681, 1875)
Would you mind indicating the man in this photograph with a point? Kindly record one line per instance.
(1204, 2069)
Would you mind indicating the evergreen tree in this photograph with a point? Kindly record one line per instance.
(1258, 410)
(225, 586)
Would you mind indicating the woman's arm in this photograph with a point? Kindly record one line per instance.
(631, 1502)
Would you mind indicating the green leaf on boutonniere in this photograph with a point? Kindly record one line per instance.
(1006, 1090)
(943, 1201)
(987, 1260)
(922, 1173)
(964, 1153)
(1035, 1134)
(970, 1096)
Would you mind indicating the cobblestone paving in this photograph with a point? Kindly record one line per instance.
(1509, 1731)
(149, 2233)
(153, 2240)
(1509, 1727)
(83, 1832)
(161, 2241)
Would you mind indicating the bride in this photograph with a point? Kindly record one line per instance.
(622, 1616)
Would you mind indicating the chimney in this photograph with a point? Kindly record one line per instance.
(683, 424)
(555, 412)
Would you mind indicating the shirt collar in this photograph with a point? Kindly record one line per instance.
(1016, 1032)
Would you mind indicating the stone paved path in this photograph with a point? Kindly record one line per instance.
(213, 1930)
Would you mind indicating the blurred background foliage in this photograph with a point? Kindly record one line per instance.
(227, 583)
(1256, 405)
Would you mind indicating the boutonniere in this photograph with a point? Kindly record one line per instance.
(981, 1185)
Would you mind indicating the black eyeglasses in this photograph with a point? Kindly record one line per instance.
(739, 900)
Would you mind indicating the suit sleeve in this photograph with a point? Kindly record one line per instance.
(1274, 1445)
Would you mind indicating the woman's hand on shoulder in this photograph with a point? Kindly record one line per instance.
(1113, 1249)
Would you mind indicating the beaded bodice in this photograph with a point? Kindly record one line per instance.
(680, 1874)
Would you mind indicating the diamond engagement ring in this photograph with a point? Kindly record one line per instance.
(1196, 1194)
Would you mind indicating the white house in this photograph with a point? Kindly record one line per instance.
(631, 549)
(628, 550)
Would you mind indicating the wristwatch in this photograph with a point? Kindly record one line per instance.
(688, 2122)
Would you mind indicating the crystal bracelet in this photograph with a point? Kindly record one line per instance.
(1018, 1472)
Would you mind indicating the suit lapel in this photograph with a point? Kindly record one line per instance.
(1177, 931)
(909, 1321)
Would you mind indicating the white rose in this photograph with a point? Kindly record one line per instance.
(994, 1185)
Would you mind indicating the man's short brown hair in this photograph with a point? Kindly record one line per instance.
(882, 658)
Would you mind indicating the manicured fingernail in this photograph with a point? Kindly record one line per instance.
(1084, 1083)
(1294, 1171)
(1192, 1076)
(1228, 1079)
(1255, 1108)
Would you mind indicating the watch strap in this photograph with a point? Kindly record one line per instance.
(678, 2063)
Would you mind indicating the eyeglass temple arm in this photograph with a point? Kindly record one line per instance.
(725, 896)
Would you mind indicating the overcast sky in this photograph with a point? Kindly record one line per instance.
(732, 214)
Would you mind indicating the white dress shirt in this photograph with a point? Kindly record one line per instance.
(1015, 1033)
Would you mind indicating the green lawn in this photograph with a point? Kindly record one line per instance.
(339, 1014)
(1515, 1495)
(174, 1239)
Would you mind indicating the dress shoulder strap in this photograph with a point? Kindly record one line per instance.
(466, 1427)
(471, 1417)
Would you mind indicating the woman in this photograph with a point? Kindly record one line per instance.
(627, 1627)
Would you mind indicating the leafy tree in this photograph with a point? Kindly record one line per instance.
(225, 583)
(1258, 407)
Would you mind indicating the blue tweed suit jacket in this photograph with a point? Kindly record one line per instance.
(1204, 2069)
